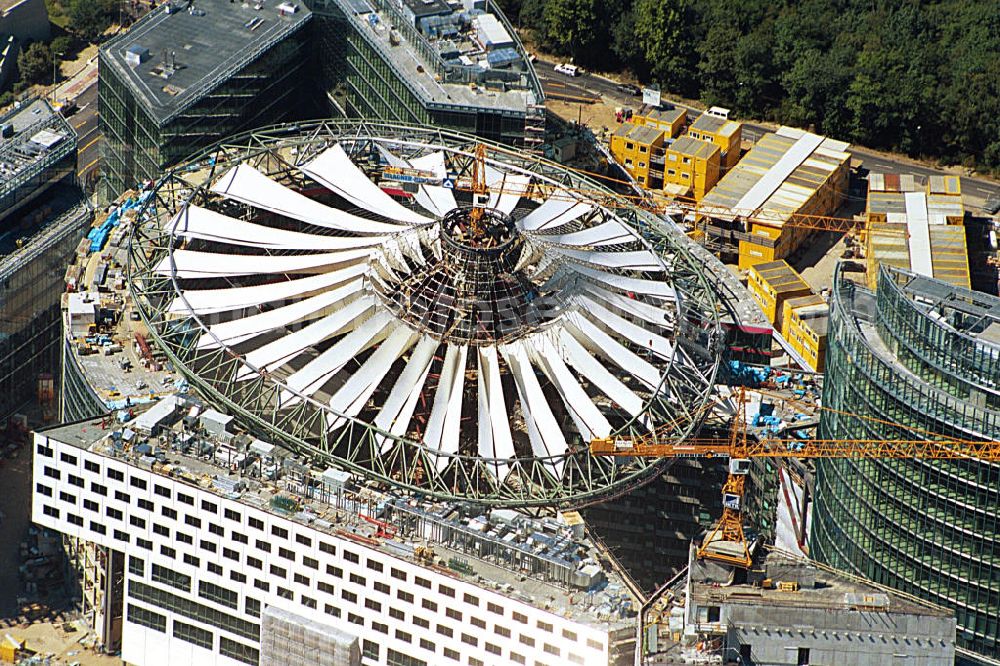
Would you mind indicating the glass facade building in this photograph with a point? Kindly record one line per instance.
(918, 356)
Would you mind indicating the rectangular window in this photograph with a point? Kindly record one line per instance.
(232, 515)
(429, 605)
(44, 450)
(161, 530)
(404, 636)
(381, 587)
(550, 649)
(76, 520)
(67, 458)
(147, 618)
(394, 658)
(404, 596)
(427, 645)
(211, 507)
(89, 505)
(331, 610)
(446, 591)
(334, 571)
(347, 595)
(422, 582)
(304, 540)
(193, 634)
(186, 499)
(52, 473)
(351, 557)
(192, 560)
(501, 631)
(569, 635)
(323, 586)
(255, 523)
(373, 605)
(162, 491)
(239, 538)
(310, 562)
(263, 545)
(493, 649)
(136, 567)
(216, 529)
(97, 527)
(115, 474)
(396, 614)
(254, 562)
(218, 594)
(596, 645)
(370, 650)
(357, 619)
(278, 571)
(168, 512)
(184, 538)
(238, 651)
(444, 631)
(95, 487)
(279, 531)
(144, 543)
(121, 536)
(519, 617)
(451, 654)
(357, 580)
(285, 593)
(209, 546)
(230, 554)
(527, 640)
(285, 553)
(214, 568)
(469, 639)
(237, 576)
(137, 482)
(192, 521)
(43, 489)
(252, 607)
(544, 626)
(308, 602)
(421, 622)
(300, 579)
(66, 497)
(327, 548)
(122, 497)
(160, 574)
(469, 599)
(516, 658)
(453, 614)
(398, 574)
(373, 565)
(168, 551)
(262, 585)
(476, 622)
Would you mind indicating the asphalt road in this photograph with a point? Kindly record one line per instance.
(975, 189)
(84, 121)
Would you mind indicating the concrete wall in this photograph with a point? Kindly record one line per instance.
(839, 637)
(27, 20)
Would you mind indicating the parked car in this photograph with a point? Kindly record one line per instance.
(993, 204)
(567, 69)
(629, 89)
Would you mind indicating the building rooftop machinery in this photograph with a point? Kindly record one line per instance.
(37, 147)
(181, 51)
(409, 339)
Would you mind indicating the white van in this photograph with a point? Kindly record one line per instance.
(567, 69)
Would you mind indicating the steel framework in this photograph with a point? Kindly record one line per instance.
(261, 403)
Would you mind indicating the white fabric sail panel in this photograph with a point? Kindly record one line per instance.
(198, 222)
(596, 372)
(559, 209)
(239, 330)
(623, 283)
(396, 412)
(606, 233)
(544, 432)
(433, 162)
(589, 420)
(442, 199)
(507, 190)
(497, 417)
(638, 260)
(919, 233)
(641, 337)
(359, 387)
(633, 306)
(195, 264)
(334, 170)
(248, 185)
(208, 301)
(444, 423)
(274, 354)
(616, 351)
(423, 195)
(311, 377)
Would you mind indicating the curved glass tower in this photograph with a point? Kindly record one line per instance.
(924, 354)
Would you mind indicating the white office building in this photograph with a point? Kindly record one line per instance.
(192, 559)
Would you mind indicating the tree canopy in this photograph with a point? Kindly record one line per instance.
(34, 64)
(916, 77)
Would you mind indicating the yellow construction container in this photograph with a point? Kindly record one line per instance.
(805, 321)
(691, 167)
(774, 283)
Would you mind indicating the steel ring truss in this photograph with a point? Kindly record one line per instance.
(499, 363)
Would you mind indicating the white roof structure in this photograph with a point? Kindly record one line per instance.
(471, 346)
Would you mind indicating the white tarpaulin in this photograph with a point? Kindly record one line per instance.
(247, 185)
(602, 234)
(498, 443)
(443, 425)
(589, 420)
(359, 387)
(594, 370)
(194, 264)
(334, 170)
(544, 433)
(614, 350)
(397, 410)
(559, 209)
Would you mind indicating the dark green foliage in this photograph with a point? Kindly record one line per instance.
(917, 77)
(90, 18)
(34, 64)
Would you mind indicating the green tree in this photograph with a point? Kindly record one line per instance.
(90, 18)
(62, 44)
(35, 63)
(666, 32)
(569, 26)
